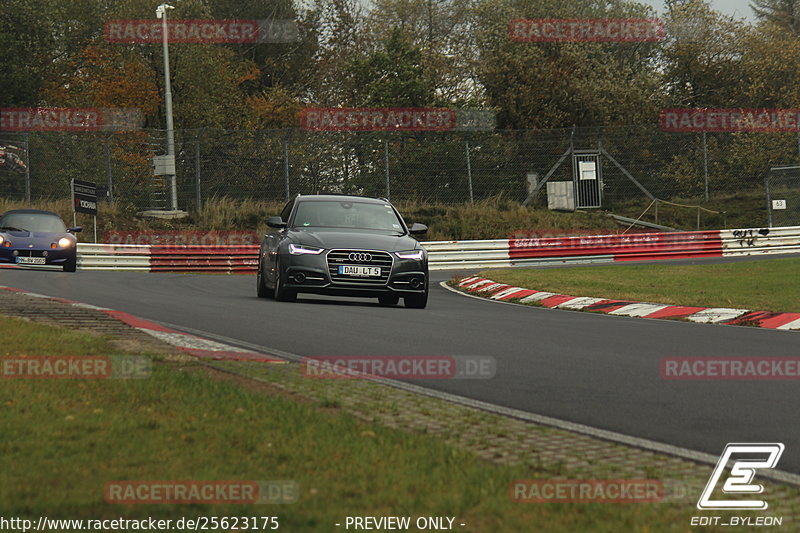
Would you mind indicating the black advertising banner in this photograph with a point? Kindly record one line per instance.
(84, 197)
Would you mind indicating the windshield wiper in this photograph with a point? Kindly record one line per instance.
(12, 228)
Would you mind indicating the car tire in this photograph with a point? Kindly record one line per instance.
(262, 290)
(71, 264)
(282, 294)
(388, 299)
(416, 301)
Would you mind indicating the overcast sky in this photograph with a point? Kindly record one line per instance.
(738, 8)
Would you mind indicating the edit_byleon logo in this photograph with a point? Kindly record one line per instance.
(746, 460)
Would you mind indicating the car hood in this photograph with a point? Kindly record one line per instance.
(35, 238)
(365, 240)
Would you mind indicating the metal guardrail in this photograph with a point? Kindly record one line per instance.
(463, 255)
(761, 241)
(113, 257)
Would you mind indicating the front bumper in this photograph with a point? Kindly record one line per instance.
(52, 256)
(312, 274)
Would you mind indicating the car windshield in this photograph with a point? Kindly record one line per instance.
(346, 214)
(36, 222)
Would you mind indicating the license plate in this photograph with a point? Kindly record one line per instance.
(357, 270)
(30, 260)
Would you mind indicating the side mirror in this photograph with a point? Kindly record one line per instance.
(276, 222)
(76, 229)
(418, 229)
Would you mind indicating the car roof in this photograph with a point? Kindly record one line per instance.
(339, 198)
(29, 212)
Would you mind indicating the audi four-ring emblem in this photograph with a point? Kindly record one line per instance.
(360, 257)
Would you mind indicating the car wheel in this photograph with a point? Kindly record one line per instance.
(70, 265)
(282, 294)
(416, 301)
(261, 288)
(388, 299)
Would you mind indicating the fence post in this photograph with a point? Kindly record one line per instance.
(769, 202)
(286, 163)
(386, 164)
(705, 165)
(109, 180)
(197, 192)
(469, 172)
(27, 167)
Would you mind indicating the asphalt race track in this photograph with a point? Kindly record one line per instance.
(598, 370)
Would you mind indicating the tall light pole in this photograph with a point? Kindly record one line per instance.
(161, 13)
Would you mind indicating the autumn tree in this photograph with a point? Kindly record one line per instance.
(102, 76)
(702, 56)
(393, 75)
(783, 13)
(442, 31)
(549, 85)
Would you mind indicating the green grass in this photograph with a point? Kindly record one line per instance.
(34, 339)
(764, 285)
(61, 441)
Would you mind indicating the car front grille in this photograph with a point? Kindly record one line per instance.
(25, 252)
(373, 258)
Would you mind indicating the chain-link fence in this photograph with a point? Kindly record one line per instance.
(638, 164)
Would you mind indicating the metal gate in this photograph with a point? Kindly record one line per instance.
(587, 176)
(782, 186)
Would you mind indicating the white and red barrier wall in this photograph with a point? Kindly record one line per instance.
(453, 255)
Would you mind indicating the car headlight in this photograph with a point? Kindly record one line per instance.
(411, 254)
(299, 249)
(1, 239)
(63, 242)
